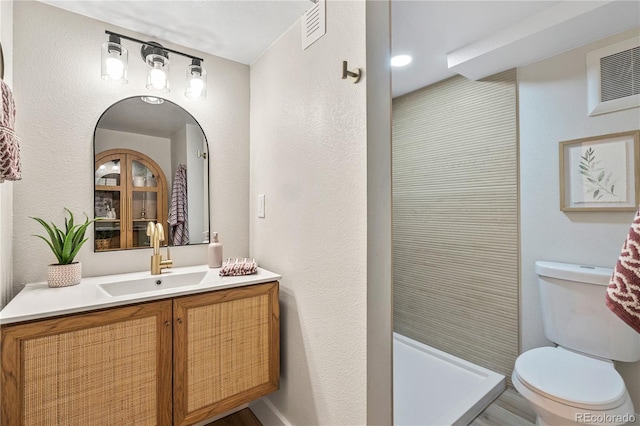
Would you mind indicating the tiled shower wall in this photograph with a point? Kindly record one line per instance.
(455, 218)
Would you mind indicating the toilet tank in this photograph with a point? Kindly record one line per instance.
(575, 315)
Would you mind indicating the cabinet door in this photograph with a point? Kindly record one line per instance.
(110, 197)
(226, 350)
(146, 198)
(132, 187)
(111, 367)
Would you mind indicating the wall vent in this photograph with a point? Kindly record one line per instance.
(613, 77)
(313, 24)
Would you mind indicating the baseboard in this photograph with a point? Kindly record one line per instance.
(267, 413)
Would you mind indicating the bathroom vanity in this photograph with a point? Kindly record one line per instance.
(96, 354)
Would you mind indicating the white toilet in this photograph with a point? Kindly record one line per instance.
(576, 382)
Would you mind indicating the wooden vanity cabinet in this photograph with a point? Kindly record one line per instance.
(177, 361)
(226, 350)
(99, 368)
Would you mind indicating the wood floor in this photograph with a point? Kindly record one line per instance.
(240, 418)
(510, 409)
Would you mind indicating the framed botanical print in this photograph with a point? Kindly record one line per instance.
(600, 173)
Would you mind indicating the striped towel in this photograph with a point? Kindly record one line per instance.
(623, 293)
(239, 266)
(178, 210)
(10, 168)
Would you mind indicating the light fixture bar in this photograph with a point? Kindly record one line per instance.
(146, 43)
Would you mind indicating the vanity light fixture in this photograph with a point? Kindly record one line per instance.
(196, 87)
(114, 60)
(156, 56)
(158, 61)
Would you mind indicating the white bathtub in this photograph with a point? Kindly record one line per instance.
(433, 388)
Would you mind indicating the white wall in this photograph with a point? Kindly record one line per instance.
(553, 108)
(309, 157)
(379, 227)
(59, 108)
(195, 171)
(6, 188)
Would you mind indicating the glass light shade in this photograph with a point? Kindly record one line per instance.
(196, 84)
(152, 100)
(158, 77)
(114, 62)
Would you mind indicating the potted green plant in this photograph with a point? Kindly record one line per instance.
(65, 245)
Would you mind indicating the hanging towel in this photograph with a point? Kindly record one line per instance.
(9, 147)
(623, 293)
(178, 211)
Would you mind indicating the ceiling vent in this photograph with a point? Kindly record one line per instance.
(613, 77)
(313, 23)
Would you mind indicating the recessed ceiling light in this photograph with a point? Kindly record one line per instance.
(400, 60)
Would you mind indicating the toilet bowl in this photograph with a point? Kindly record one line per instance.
(576, 382)
(567, 388)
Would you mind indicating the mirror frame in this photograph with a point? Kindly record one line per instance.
(208, 158)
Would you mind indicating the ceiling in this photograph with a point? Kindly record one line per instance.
(135, 116)
(428, 30)
(480, 38)
(239, 30)
(517, 31)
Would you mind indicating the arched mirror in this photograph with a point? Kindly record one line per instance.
(150, 166)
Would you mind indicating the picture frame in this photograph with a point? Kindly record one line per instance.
(600, 173)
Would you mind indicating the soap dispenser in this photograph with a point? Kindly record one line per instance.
(215, 252)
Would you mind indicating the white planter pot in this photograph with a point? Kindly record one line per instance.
(64, 275)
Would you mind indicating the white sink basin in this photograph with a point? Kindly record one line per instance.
(155, 283)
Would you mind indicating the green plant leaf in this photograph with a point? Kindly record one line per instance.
(65, 244)
(595, 193)
(56, 253)
(600, 176)
(55, 242)
(68, 225)
(612, 186)
(77, 249)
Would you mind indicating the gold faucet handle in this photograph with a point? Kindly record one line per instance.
(151, 229)
(160, 231)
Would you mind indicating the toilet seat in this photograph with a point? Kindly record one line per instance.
(571, 379)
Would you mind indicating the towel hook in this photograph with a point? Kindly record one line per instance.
(357, 74)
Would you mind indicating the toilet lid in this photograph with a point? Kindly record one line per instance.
(570, 378)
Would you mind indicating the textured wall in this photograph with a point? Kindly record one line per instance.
(6, 188)
(553, 108)
(60, 97)
(455, 218)
(309, 157)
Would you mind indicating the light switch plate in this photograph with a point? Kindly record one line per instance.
(261, 205)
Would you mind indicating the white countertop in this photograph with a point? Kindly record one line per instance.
(37, 301)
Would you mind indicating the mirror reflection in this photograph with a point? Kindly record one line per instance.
(150, 166)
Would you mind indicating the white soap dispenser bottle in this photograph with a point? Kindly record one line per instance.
(215, 252)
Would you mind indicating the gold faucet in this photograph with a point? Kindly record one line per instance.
(155, 232)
